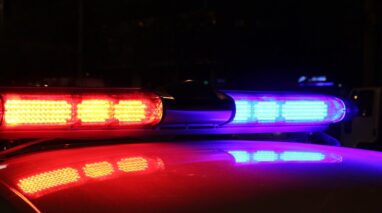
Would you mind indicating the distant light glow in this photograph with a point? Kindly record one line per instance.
(321, 78)
(317, 84)
(240, 156)
(301, 79)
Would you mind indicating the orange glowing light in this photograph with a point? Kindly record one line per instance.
(98, 169)
(130, 111)
(94, 110)
(33, 111)
(36, 112)
(47, 180)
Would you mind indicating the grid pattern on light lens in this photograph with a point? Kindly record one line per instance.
(47, 112)
(266, 111)
(94, 110)
(304, 110)
(243, 111)
(130, 111)
(291, 111)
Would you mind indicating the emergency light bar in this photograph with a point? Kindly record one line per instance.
(102, 113)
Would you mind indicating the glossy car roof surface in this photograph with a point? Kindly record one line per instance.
(201, 176)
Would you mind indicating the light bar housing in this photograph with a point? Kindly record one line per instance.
(106, 113)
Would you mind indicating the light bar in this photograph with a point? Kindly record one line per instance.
(95, 112)
(268, 109)
(78, 111)
(275, 156)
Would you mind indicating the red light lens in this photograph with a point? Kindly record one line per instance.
(130, 111)
(94, 111)
(32, 110)
(80, 111)
(138, 110)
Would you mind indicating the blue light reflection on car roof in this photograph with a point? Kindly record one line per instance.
(270, 156)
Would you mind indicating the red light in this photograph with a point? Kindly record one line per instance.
(30, 110)
(130, 111)
(23, 111)
(99, 169)
(47, 180)
(94, 111)
(138, 111)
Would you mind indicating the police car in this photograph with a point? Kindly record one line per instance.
(132, 150)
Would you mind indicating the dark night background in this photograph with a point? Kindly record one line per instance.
(230, 44)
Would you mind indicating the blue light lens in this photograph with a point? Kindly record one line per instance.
(301, 156)
(240, 156)
(266, 111)
(243, 111)
(265, 156)
(304, 110)
(276, 110)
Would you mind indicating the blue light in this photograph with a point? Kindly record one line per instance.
(265, 156)
(319, 78)
(240, 156)
(304, 110)
(243, 111)
(284, 110)
(266, 111)
(301, 156)
(302, 79)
